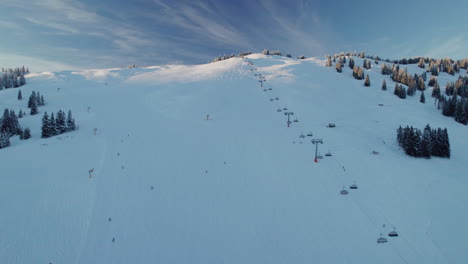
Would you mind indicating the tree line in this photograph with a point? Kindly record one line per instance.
(13, 78)
(55, 125)
(426, 143)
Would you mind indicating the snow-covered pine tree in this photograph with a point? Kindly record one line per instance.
(34, 109)
(70, 122)
(20, 96)
(26, 134)
(53, 125)
(426, 144)
(4, 140)
(32, 98)
(45, 128)
(384, 85)
(422, 98)
(61, 122)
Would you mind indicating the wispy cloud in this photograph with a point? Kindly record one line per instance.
(200, 19)
(53, 25)
(35, 64)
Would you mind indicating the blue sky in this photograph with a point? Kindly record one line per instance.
(73, 34)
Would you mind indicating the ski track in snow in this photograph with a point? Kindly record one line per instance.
(234, 188)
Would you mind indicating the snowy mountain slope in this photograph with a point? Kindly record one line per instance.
(171, 187)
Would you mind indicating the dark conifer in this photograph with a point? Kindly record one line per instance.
(367, 81)
(26, 134)
(70, 122)
(45, 126)
(422, 98)
(34, 109)
(20, 96)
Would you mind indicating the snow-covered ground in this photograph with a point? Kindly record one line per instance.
(170, 186)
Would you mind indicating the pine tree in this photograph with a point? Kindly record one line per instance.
(422, 98)
(436, 90)
(61, 125)
(41, 101)
(45, 126)
(70, 122)
(446, 144)
(34, 109)
(384, 85)
(26, 134)
(4, 140)
(20, 96)
(53, 125)
(367, 81)
(463, 118)
(400, 135)
(22, 80)
(339, 67)
(351, 63)
(32, 98)
(426, 144)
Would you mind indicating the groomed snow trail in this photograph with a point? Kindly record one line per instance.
(170, 186)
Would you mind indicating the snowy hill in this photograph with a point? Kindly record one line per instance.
(169, 186)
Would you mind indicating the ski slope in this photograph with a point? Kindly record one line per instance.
(170, 186)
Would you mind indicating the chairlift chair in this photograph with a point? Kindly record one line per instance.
(265, 90)
(393, 233)
(276, 98)
(328, 154)
(295, 120)
(381, 239)
(344, 192)
(270, 88)
(353, 186)
(285, 109)
(319, 157)
(302, 136)
(309, 134)
(271, 99)
(279, 110)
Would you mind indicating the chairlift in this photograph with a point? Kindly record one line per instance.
(393, 233)
(309, 134)
(270, 88)
(319, 157)
(295, 120)
(279, 110)
(276, 98)
(302, 136)
(344, 191)
(271, 99)
(353, 186)
(285, 109)
(381, 239)
(265, 90)
(328, 154)
(331, 125)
